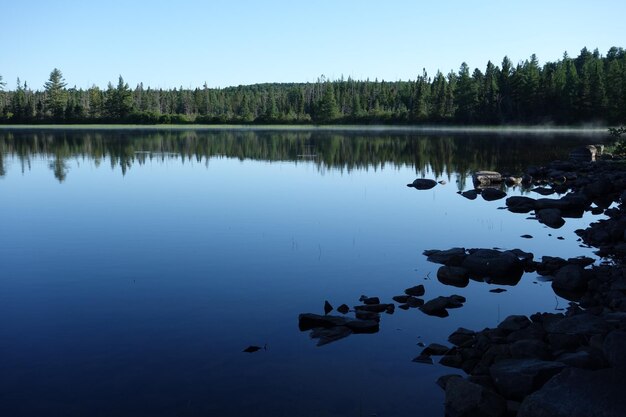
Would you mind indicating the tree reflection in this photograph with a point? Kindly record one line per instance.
(444, 156)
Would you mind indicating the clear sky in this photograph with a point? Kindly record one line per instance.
(224, 43)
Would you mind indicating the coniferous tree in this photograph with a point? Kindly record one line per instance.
(56, 96)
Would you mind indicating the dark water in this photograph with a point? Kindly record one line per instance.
(136, 266)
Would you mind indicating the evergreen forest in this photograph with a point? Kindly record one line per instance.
(590, 88)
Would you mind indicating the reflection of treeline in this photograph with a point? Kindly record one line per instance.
(439, 155)
(587, 88)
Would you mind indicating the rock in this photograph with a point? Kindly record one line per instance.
(513, 323)
(543, 190)
(529, 348)
(453, 275)
(614, 347)
(527, 236)
(579, 359)
(366, 315)
(252, 349)
(327, 307)
(363, 326)
(570, 278)
(492, 194)
(512, 181)
(584, 153)
(467, 399)
(309, 321)
(423, 359)
(520, 204)
(414, 302)
(376, 308)
(423, 184)
(326, 336)
(578, 393)
(470, 194)
(452, 359)
(579, 324)
(516, 378)
(371, 300)
(416, 291)
(493, 263)
(343, 309)
(450, 257)
(551, 217)
(442, 381)
(435, 349)
(487, 177)
(400, 298)
(436, 307)
(497, 290)
(462, 336)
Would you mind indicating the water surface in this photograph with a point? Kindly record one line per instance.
(137, 265)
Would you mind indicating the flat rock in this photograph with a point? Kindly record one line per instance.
(579, 393)
(492, 194)
(416, 291)
(467, 399)
(423, 184)
(455, 276)
(450, 257)
(516, 378)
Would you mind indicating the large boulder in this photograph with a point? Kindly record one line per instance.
(492, 263)
(453, 275)
(467, 399)
(516, 378)
(422, 184)
(486, 177)
(578, 393)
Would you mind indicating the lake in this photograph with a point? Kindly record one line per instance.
(137, 265)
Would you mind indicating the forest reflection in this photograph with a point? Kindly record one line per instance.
(435, 155)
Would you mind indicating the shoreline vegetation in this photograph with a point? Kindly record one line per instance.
(587, 89)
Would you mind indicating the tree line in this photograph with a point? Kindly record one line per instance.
(590, 88)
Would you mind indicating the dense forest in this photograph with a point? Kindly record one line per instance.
(589, 88)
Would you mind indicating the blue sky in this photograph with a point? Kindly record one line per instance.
(223, 43)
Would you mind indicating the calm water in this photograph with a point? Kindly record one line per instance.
(137, 265)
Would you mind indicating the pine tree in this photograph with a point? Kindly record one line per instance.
(56, 96)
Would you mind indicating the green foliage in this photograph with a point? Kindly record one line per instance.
(586, 89)
(56, 96)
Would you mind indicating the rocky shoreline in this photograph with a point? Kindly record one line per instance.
(553, 364)
(571, 363)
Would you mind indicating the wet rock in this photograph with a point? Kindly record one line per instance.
(578, 393)
(467, 399)
(570, 278)
(442, 381)
(513, 323)
(493, 263)
(329, 335)
(371, 300)
(450, 257)
(551, 217)
(543, 190)
(416, 291)
(453, 275)
(492, 194)
(486, 177)
(520, 204)
(423, 359)
(343, 309)
(435, 349)
(470, 194)
(516, 378)
(376, 308)
(423, 184)
(462, 337)
(586, 153)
